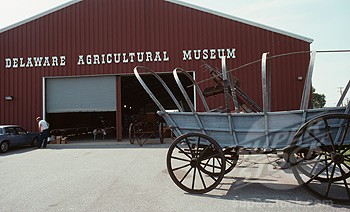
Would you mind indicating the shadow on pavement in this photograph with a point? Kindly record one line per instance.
(93, 144)
(17, 150)
(109, 144)
(252, 194)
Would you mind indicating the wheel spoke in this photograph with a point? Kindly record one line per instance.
(194, 177)
(199, 140)
(182, 159)
(317, 161)
(307, 162)
(205, 165)
(327, 169)
(317, 140)
(330, 180)
(211, 166)
(229, 161)
(329, 134)
(184, 177)
(201, 176)
(220, 163)
(304, 161)
(314, 166)
(190, 148)
(344, 179)
(181, 150)
(343, 136)
(212, 177)
(180, 167)
(346, 165)
(320, 172)
(210, 156)
(345, 150)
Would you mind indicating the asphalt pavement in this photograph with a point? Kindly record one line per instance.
(118, 176)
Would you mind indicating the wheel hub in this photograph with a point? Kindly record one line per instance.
(338, 158)
(194, 162)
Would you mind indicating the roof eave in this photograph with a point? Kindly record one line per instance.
(39, 15)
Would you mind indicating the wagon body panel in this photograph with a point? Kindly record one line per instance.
(247, 130)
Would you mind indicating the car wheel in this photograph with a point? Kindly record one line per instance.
(35, 142)
(4, 146)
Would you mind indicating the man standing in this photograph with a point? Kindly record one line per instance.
(43, 127)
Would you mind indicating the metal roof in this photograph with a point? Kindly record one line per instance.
(234, 18)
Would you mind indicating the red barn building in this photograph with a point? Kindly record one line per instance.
(74, 63)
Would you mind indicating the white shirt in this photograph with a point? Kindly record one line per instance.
(43, 125)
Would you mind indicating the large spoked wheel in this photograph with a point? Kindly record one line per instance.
(320, 157)
(189, 163)
(132, 133)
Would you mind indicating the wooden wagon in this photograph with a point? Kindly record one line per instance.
(315, 142)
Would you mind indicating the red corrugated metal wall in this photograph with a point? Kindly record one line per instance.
(122, 26)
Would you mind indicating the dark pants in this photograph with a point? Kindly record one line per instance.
(43, 138)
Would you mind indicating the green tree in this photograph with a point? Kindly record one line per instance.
(317, 100)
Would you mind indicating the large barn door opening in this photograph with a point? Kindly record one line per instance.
(78, 105)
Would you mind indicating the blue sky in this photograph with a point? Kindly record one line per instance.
(326, 22)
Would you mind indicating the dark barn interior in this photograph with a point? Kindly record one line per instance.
(135, 102)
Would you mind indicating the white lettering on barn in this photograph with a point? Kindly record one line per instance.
(30, 62)
(206, 54)
(119, 58)
(123, 57)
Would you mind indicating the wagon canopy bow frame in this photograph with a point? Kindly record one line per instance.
(153, 97)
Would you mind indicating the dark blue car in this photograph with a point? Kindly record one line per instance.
(13, 135)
